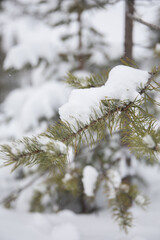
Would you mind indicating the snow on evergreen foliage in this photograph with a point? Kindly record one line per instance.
(149, 141)
(29, 42)
(35, 41)
(123, 84)
(26, 107)
(89, 179)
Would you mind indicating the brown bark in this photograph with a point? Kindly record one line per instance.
(128, 44)
(80, 30)
(80, 55)
(150, 25)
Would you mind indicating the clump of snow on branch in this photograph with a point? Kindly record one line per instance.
(148, 140)
(29, 53)
(89, 179)
(67, 177)
(123, 84)
(114, 177)
(34, 41)
(25, 107)
(45, 141)
(114, 181)
(140, 200)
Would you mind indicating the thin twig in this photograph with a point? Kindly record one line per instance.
(13, 195)
(150, 25)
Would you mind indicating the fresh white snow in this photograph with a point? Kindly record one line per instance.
(140, 199)
(148, 140)
(27, 106)
(67, 177)
(114, 177)
(69, 226)
(113, 182)
(89, 179)
(97, 226)
(123, 83)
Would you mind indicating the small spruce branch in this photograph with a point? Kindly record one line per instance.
(113, 111)
(153, 74)
(126, 195)
(63, 132)
(72, 135)
(94, 80)
(94, 122)
(31, 151)
(27, 154)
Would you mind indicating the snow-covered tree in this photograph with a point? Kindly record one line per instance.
(86, 46)
(114, 110)
(37, 57)
(86, 118)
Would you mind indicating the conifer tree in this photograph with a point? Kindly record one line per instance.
(107, 111)
(107, 133)
(89, 41)
(88, 50)
(86, 42)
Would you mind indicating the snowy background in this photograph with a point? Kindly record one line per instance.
(34, 72)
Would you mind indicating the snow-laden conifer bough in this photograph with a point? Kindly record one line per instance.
(85, 119)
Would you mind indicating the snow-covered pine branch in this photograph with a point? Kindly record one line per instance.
(89, 113)
(37, 150)
(92, 110)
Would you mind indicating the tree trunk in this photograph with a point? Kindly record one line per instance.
(80, 55)
(128, 44)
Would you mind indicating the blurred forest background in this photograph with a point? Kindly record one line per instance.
(40, 42)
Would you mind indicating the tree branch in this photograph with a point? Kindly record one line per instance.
(104, 117)
(13, 195)
(151, 26)
(27, 154)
